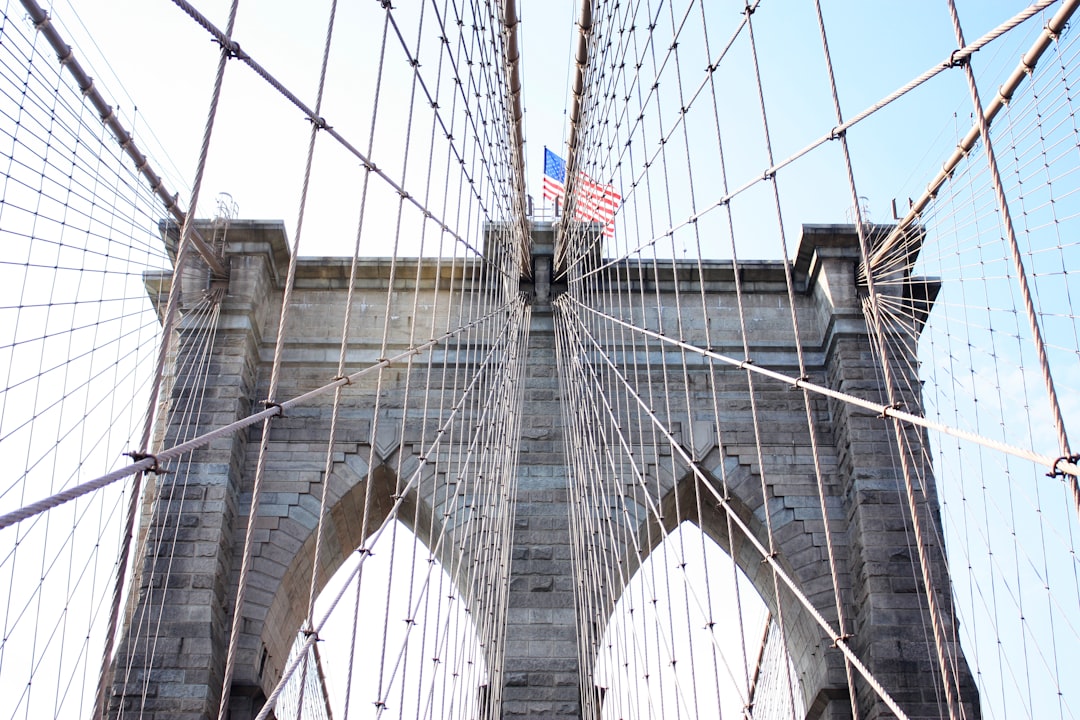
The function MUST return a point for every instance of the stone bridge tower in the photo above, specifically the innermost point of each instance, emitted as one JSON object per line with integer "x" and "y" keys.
{"x": 541, "y": 675}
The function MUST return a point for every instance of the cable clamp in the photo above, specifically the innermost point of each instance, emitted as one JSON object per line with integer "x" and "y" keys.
{"x": 886, "y": 408}
{"x": 231, "y": 48}
{"x": 271, "y": 404}
{"x": 837, "y": 132}
{"x": 140, "y": 456}
{"x": 841, "y": 639}
{"x": 346, "y": 378}
{"x": 769, "y": 556}
{"x": 1057, "y": 472}
{"x": 801, "y": 379}
{"x": 955, "y": 61}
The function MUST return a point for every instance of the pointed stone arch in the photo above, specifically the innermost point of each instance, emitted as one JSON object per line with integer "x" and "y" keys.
{"x": 279, "y": 619}
{"x": 686, "y": 644}
{"x": 819, "y": 666}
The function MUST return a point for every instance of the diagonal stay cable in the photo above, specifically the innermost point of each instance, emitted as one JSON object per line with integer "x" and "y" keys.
{"x": 66, "y": 56}
{"x": 427, "y": 457}
{"x": 234, "y": 50}
{"x": 1055, "y": 465}
{"x": 150, "y": 462}
{"x": 723, "y": 504}
{"x": 955, "y": 58}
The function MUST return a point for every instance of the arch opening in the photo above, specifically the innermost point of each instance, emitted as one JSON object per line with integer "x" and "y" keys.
{"x": 400, "y": 639}
{"x": 691, "y": 636}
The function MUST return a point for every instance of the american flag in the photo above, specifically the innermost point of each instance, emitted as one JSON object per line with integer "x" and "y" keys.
{"x": 594, "y": 202}
{"x": 554, "y": 176}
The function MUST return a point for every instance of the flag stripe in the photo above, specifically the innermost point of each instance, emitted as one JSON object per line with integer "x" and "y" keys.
{"x": 593, "y": 201}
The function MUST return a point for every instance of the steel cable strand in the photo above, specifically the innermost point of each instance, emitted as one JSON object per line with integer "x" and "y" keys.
{"x": 43, "y": 23}
{"x": 1014, "y": 250}
{"x": 427, "y": 387}
{"x": 721, "y": 443}
{"x": 365, "y": 519}
{"x": 581, "y": 419}
{"x": 160, "y": 505}
{"x": 184, "y": 423}
{"x": 315, "y": 127}
{"x": 666, "y": 389}
{"x": 427, "y": 456}
{"x": 492, "y": 405}
{"x": 654, "y": 511}
{"x": 246, "y": 557}
{"x": 387, "y": 311}
{"x": 680, "y": 123}
{"x": 840, "y": 130}
{"x": 234, "y": 50}
{"x": 767, "y": 557}
{"x": 169, "y": 319}
{"x": 874, "y": 321}
{"x": 945, "y": 660}
{"x": 426, "y": 405}
{"x": 962, "y": 57}
{"x": 1059, "y": 464}
{"x": 190, "y": 419}
{"x": 153, "y": 461}
{"x": 800, "y": 355}
{"x": 595, "y": 421}
{"x": 371, "y": 540}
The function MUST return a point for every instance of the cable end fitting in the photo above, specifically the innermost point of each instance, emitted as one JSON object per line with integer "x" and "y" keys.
{"x": 140, "y": 456}
{"x": 1056, "y": 471}
{"x": 271, "y": 404}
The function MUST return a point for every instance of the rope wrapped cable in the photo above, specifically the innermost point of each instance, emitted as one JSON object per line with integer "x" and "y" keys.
{"x": 594, "y": 419}
{"x": 163, "y": 456}
{"x": 319, "y": 122}
{"x": 1063, "y": 465}
{"x": 427, "y": 457}
{"x": 983, "y": 122}
{"x": 1053, "y": 28}
{"x": 768, "y": 557}
{"x": 494, "y": 399}
{"x": 943, "y": 652}
{"x": 1023, "y": 70}
{"x": 67, "y": 58}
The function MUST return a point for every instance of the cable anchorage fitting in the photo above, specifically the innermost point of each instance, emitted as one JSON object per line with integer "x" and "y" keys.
{"x": 271, "y": 404}
{"x": 955, "y": 61}
{"x": 1055, "y": 471}
{"x": 885, "y": 409}
{"x": 140, "y": 456}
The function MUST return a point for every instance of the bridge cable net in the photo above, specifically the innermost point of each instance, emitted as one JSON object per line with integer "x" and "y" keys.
{"x": 637, "y": 370}
{"x": 456, "y": 187}
{"x": 83, "y": 251}
{"x": 670, "y": 405}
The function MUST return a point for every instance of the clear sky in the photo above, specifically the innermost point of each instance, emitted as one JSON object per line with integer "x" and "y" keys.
{"x": 157, "y": 65}
{"x": 165, "y": 63}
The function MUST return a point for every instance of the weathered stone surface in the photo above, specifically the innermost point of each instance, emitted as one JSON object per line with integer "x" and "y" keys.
{"x": 192, "y": 530}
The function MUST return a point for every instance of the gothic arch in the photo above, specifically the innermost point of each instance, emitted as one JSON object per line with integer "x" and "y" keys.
{"x": 818, "y": 665}
{"x": 342, "y": 535}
